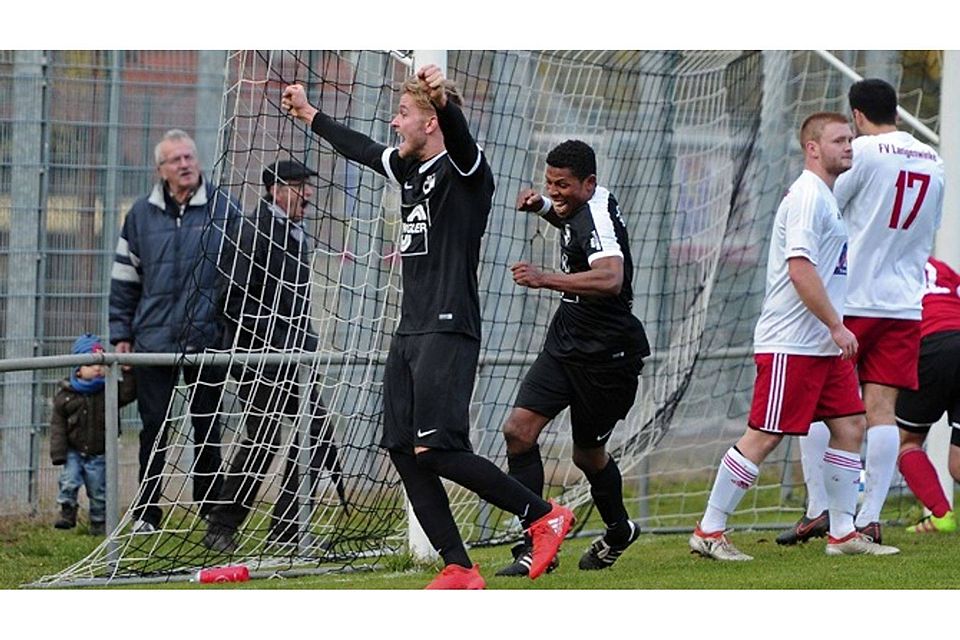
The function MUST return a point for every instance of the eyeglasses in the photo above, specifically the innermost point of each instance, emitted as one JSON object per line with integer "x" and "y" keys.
{"x": 186, "y": 157}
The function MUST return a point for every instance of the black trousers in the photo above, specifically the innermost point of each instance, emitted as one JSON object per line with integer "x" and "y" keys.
{"x": 155, "y": 387}
{"x": 268, "y": 395}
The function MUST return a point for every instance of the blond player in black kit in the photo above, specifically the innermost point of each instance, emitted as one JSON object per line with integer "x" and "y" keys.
{"x": 446, "y": 190}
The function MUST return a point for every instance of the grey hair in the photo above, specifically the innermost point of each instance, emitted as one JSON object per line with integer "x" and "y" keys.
{"x": 176, "y": 135}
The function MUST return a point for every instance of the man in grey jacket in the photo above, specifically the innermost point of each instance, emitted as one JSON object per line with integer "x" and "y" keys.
{"x": 163, "y": 300}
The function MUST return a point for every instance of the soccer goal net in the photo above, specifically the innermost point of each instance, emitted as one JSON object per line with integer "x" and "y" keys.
{"x": 697, "y": 146}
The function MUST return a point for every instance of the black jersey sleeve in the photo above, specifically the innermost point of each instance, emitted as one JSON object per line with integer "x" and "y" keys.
{"x": 464, "y": 152}
{"x": 351, "y": 144}
{"x": 551, "y": 217}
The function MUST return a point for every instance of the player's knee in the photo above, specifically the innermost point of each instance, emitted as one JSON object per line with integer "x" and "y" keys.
{"x": 519, "y": 439}
{"x": 590, "y": 461}
{"x": 909, "y": 440}
{"x": 848, "y": 433}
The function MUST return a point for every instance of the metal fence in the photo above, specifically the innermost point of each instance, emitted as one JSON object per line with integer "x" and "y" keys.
{"x": 77, "y": 132}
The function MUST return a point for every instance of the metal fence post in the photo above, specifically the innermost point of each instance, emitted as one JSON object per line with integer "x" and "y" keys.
{"x": 22, "y": 274}
{"x": 112, "y": 451}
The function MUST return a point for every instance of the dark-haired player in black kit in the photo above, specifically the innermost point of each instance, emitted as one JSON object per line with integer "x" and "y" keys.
{"x": 593, "y": 352}
{"x": 446, "y": 190}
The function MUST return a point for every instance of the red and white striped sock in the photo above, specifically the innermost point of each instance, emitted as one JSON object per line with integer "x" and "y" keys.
{"x": 735, "y": 475}
{"x": 842, "y": 480}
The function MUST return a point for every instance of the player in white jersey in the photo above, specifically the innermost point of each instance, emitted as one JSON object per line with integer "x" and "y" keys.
{"x": 803, "y": 351}
{"x": 892, "y": 201}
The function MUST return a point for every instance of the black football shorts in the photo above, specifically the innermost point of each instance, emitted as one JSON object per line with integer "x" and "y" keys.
{"x": 598, "y": 397}
{"x": 427, "y": 385}
{"x": 939, "y": 391}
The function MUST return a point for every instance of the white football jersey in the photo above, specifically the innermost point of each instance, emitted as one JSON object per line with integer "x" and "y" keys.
{"x": 807, "y": 225}
{"x": 892, "y": 200}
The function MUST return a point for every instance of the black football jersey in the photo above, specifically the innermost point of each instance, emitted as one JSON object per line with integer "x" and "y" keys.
{"x": 594, "y": 329}
{"x": 445, "y": 203}
{"x": 443, "y": 216}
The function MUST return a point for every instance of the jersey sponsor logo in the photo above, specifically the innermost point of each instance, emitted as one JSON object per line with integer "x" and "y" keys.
{"x": 418, "y": 213}
{"x": 415, "y": 230}
{"x": 841, "y": 268}
{"x": 424, "y": 434}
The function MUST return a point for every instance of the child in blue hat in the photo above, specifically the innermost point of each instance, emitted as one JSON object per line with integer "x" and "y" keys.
{"x": 77, "y": 429}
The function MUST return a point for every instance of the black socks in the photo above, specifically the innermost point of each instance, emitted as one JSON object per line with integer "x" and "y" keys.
{"x": 487, "y": 480}
{"x": 606, "y": 487}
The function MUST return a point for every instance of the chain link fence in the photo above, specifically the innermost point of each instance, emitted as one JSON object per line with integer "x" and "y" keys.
{"x": 77, "y": 132}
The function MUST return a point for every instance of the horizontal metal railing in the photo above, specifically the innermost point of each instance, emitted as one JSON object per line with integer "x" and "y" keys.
{"x": 114, "y": 361}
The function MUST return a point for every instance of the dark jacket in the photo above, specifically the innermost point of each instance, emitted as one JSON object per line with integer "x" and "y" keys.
{"x": 78, "y": 421}
{"x": 266, "y": 296}
{"x": 164, "y": 279}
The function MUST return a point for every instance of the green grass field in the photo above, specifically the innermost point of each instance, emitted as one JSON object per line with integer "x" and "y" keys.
{"x": 30, "y": 549}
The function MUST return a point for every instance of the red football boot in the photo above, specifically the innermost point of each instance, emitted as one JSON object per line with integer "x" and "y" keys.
{"x": 454, "y": 576}
{"x": 547, "y": 534}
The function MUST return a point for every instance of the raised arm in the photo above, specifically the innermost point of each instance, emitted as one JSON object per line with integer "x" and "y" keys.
{"x": 533, "y": 201}
{"x": 459, "y": 142}
{"x": 351, "y": 144}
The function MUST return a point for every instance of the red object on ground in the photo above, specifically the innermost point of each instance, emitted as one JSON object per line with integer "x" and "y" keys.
{"x": 236, "y": 573}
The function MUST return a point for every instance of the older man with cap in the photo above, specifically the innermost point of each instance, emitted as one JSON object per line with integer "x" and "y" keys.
{"x": 266, "y": 307}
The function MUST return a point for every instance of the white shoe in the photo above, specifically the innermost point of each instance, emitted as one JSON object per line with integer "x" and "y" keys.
{"x": 855, "y": 543}
{"x": 142, "y": 526}
{"x": 716, "y": 546}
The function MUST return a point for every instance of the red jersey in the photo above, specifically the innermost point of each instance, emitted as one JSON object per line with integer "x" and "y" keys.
{"x": 941, "y": 299}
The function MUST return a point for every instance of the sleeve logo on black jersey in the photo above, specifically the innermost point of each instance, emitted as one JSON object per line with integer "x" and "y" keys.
{"x": 595, "y": 241}
{"x": 414, "y": 230}
{"x": 429, "y": 183}
{"x": 616, "y": 213}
